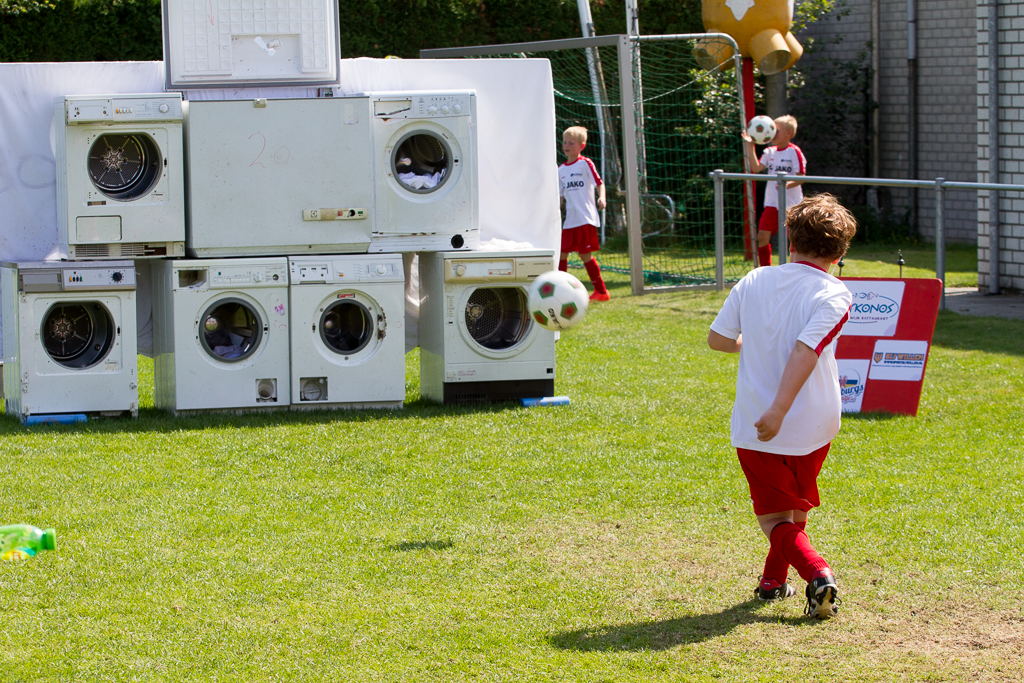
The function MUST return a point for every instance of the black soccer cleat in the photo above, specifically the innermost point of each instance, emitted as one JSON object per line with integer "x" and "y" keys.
{"x": 822, "y": 598}
{"x": 774, "y": 594}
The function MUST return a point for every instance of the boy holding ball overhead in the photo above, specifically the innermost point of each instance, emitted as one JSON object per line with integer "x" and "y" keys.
{"x": 784, "y": 323}
{"x": 780, "y": 155}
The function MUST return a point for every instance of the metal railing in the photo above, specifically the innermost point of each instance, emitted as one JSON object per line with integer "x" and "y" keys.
{"x": 940, "y": 185}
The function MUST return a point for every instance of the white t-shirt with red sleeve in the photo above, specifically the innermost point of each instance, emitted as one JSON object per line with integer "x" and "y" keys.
{"x": 790, "y": 160}
{"x": 774, "y": 308}
{"x": 577, "y": 183}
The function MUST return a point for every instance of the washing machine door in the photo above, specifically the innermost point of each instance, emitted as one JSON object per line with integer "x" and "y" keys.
{"x": 77, "y": 334}
{"x": 349, "y": 327}
{"x": 496, "y": 319}
{"x": 124, "y": 166}
{"x": 231, "y": 329}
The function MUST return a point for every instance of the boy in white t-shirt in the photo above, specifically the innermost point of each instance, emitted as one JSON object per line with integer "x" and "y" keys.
{"x": 578, "y": 182}
{"x": 784, "y": 323}
{"x": 781, "y": 155}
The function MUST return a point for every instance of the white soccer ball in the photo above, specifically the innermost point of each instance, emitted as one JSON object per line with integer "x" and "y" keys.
{"x": 761, "y": 129}
{"x": 557, "y": 300}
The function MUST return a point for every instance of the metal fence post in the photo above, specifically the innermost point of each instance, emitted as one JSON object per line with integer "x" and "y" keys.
{"x": 940, "y": 241}
{"x": 719, "y": 231}
{"x": 630, "y": 170}
{"x": 780, "y": 189}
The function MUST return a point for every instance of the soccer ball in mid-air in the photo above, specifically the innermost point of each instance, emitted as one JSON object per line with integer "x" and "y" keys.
{"x": 761, "y": 129}
{"x": 557, "y": 300}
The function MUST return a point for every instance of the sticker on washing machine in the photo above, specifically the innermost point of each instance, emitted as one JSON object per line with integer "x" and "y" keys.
{"x": 110, "y": 366}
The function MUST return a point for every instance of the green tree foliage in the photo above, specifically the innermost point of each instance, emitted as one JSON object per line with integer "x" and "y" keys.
{"x": 112, "y": 30}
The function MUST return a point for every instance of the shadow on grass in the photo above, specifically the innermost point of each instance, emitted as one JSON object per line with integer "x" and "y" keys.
{"x": 669, "y": 633}
{"x": 872, "y": 416}
{"x": 156, "y": 420}
{"x": 421, "y": 545}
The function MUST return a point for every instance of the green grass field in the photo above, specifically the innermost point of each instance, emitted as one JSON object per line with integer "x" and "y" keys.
{"x": 609, "y": 540}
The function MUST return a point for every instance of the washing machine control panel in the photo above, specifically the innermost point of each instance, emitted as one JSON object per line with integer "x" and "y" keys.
{"x": 234, "y": 276}
{"x": 495, "y": 270}
{"x": 423, "y": 105}
{"x": 71, "y": 279}
{"x": 348, "y": 270}
{"x": 165, "y": 107}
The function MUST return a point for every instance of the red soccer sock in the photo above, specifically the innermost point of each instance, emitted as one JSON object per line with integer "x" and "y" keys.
{"x": 792, "y": 543}
{"x": 563, "y": 265}
{"x": 776, "y": 567}
{"x": 764, "y": 255}
{"x": 594, "y": 271}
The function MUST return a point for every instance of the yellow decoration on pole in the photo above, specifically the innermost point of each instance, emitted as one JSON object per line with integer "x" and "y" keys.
{"x": 759, "y": 27}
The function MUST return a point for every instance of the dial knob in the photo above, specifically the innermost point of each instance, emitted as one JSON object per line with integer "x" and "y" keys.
{"x": 460, "y": 269}
{"x": 117, "y": 276}
{"x": 258, "y": 277}
{"x": 164, "y": 109}
{"x": 444, "y": 109}
{"x": 382, "y": 269}
{"x": 431, "y": 109}
{"x": 457, "y": 108}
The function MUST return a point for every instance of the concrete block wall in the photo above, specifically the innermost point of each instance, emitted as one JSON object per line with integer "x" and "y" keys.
{"x": 946, "y": 92}
{"x": 1011, "y": 143}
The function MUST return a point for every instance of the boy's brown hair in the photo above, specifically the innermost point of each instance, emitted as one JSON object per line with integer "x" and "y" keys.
{"x": 820, "y": 226}
{"x": 577, "y": 133}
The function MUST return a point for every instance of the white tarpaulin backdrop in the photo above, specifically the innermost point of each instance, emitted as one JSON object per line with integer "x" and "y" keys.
{"x": 516, "y": 142}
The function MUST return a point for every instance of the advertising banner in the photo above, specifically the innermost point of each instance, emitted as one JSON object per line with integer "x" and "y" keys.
{"x": 883, "y": 350}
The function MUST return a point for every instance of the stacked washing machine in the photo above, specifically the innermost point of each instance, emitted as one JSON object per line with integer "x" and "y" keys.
{"x": 278, "y": 232}
{"x": 70, "y": 326}
{"x": 298, "y": 214}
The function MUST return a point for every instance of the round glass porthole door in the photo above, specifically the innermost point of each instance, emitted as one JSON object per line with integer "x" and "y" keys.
{"x": 496, "y": 317}
{"x": 230, "y": 330}
{"x": 422, "y": 162}
{"x": 78, "y": 335}
{"x": 124, "y": 167}
{"x": 346, "y": 327}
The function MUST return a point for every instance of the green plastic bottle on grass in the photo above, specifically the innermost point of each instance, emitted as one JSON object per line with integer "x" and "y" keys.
{"x": 22, "y": 541}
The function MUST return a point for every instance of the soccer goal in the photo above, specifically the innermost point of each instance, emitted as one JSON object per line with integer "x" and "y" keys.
{"x": 681, "y": 122}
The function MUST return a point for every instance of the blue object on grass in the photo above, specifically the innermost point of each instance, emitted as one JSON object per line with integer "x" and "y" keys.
{"x": 65, "y": 419}
{"x": 548, "y": 401}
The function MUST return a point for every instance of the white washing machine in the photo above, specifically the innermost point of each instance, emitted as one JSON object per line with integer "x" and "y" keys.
{"x": 120, "y": 176}
{"x": 477, "y": 340}
{"x": 425, "y": 166}
{"x": 69, "y": 338}
{"x": 273, "y": 177}
{"x": 347, "y": 331}
{"x": 220, "y": 334}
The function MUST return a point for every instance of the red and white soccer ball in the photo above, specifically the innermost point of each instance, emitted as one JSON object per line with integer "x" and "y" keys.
{"x": 761, "y": 129}
{"x": 557, "y": 300}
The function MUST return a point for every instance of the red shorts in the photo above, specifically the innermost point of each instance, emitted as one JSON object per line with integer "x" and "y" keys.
{"x": 769, "y": 220}
{"x": 782, "y": 482}
{"x": 581, "y": 239}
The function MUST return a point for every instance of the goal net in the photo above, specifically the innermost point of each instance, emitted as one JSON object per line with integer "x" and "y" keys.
{"x": 688, "y": 124}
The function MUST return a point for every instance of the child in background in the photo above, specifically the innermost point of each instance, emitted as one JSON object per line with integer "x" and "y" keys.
{"x": 784, "y": 323}
{"x": 577, "y": 182}
{"x": 782, "y": 155}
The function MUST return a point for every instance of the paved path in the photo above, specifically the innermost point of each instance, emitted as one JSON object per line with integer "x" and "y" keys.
{"x": 969, "y": 301}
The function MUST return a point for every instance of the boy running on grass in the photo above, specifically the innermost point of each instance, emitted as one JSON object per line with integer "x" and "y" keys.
{"x": 788, "y": 403}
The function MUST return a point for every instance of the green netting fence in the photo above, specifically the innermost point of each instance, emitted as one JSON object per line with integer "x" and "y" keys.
{"x": 688, "y": 124}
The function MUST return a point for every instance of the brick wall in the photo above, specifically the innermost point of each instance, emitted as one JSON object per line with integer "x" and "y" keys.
{"x": 1011, "y": 143}
{"x": 946, "y": 92}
